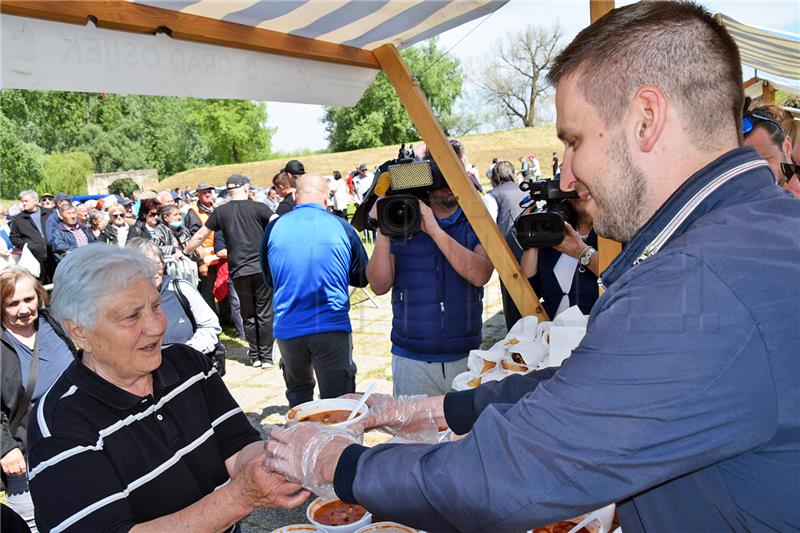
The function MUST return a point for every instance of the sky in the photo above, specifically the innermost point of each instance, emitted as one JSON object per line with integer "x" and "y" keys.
{"x": 299, "y": 126}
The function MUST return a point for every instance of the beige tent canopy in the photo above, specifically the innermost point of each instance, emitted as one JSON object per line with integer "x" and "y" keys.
{"x": 320, "y": 52}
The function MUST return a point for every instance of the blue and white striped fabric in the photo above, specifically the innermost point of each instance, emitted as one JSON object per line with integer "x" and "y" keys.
{"x": 777, "y": 54}
{"x": 363, "y": 24}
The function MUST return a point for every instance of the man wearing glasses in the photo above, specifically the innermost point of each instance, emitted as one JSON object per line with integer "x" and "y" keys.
{"x": 765, "y": 128}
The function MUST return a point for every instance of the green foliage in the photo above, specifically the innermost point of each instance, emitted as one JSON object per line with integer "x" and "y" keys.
{"x": 20, "y": 161}
{"x": 124, "y": 132}
{"x": 66, "y": 172}
{"x": 380, "y": 119}
{"x": 123, "y": 186}
{"x": 233, "y": 130}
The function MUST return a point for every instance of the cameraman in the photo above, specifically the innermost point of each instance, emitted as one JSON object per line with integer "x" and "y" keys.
{"x": 566, "y": 274}
{"x": 437, "y": 277}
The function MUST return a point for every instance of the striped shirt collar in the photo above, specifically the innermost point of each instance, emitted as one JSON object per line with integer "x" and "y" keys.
{"x": 88, "y": 381}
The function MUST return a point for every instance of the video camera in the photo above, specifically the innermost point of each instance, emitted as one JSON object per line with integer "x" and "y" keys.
{"x": 544, "y": 227}
{"x": 403, "y": 182}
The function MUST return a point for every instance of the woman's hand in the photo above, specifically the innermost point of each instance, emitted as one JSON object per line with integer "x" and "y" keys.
{"x": 13, "y": 463}
{"x": 256, "y": 488}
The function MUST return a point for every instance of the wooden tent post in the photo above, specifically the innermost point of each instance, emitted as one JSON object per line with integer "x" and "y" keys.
{"x": 607, "y": 249}
{"x": 422, "y": 116}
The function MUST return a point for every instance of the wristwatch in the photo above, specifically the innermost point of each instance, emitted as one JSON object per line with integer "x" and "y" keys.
{"x": 586, "y": 256}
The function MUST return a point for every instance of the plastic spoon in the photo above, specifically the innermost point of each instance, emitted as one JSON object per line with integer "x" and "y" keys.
{"x": 585, "y": 522}
{"x": 361, "y": 403}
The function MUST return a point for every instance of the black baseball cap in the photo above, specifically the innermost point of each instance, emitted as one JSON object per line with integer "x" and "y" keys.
{"x": 294, "y": 167}
{"x": 236, "y": 180}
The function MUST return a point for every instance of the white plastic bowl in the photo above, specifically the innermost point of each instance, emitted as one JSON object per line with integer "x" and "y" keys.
{"x": 348, "y": 528}
{"x": 386, "y": 527}
{"x": 297, "y": 528}
{"x": 303, "y": 410}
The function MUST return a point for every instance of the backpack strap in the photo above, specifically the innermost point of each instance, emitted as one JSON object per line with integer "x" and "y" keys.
{"x": 176, "y": 286}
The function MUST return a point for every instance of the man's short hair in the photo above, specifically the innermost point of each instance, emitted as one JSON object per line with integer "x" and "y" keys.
{"x": 64, "y": 207}
{"x": 675, "y": 46}
{"x": 783, "y": 118}
{"x": 29, "y": 192}
{"x": 282, "y": 179}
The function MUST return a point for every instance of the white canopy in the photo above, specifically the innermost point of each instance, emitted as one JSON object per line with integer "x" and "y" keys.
{"x": 766, "y": 51}
{"x": 316, "y": 52}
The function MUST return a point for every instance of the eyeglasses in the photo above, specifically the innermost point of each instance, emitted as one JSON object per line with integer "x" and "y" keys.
{"x": 790, "y": 170}
{"x": 748, "y": 125}
{"x": 152, "y": 213}
{"x": 118, "y": 215}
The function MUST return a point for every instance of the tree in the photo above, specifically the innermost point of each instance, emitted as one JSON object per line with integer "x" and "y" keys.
{"x": 123, "y": 187}
{"x": 66, "y": 172}
{"x": 379, "y": 118}
{"x": 20, "y": 161}
{"x": 512, "y": 77}
{"x": 233, "y": 130}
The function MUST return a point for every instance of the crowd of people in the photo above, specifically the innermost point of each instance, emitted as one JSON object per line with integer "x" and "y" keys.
{"x": 680, "y": 404}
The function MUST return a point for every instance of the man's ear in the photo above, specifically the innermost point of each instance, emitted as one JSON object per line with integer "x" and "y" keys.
{"x": 78, "y": 334}
{"x": 650, "y": 114}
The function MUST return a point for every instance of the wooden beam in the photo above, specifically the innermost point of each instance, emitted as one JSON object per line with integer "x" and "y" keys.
{"x": 598, "y": 8}
{"x": 493, "y": 241}
{"x": 767, "y": 93}
{"x": 138, "y": 18}
{"x": 607, "y": 249}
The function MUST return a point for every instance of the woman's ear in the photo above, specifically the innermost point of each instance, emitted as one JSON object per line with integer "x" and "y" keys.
{"x": 78, "y": 334}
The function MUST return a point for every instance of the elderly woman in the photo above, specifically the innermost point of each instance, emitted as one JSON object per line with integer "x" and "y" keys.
{"x": 190, "y": 320}
{"x": 97, "y": 222}
{"x": 171, "y": 236}
{"x": 133, "y": 436}
{"x": 69, "y": 233}
{"x": 148, "y": 221}
{"x": 118, "y": 231}
{"x": 34, "y": 353}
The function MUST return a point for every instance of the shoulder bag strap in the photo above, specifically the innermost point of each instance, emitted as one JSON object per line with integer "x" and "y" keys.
{"x": 187, "y": 309}
{"x": 25, "y": 402}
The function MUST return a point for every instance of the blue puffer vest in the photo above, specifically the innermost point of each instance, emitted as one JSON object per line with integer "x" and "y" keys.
{"x": 437, "y": 313}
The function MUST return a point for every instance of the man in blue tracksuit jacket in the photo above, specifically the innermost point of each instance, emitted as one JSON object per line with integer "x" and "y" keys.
{"x": 681, "y": 404}
{"x": 310, "y": 257}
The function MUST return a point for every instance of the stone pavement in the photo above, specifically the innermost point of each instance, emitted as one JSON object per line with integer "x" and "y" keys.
{"x": 260, "y": 392}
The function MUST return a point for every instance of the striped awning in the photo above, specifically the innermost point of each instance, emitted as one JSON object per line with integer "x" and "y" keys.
{"x": 769, "y": 52}
{"x": 303, "y": 51}
{"x": 364, "y": 24}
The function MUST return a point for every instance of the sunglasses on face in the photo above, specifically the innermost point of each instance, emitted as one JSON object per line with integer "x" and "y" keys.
{"x": 748, "y": 124}
{"x": 152, "y": 214}
{"x": 118, "y": 215}
{"x": 790, "y": 170}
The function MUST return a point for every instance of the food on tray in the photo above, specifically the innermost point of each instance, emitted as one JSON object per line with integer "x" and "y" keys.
{"x": 512, "y": 342}
{"x": 474, "y": 382}
{"x": 559, "y": 527}
{"x": 339, "y": 513}
{"x": 488, "y": 365}
{"x": 327, "y": 417}
{"x": 517, "y": 363}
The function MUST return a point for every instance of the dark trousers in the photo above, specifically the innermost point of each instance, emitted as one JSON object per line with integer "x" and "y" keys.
{"x": 255, "y": 299}
{"x": 206, "y": 287}
{"x": 329, "y": 355}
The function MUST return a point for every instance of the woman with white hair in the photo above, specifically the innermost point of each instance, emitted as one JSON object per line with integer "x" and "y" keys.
{"x": 133, "y": 436}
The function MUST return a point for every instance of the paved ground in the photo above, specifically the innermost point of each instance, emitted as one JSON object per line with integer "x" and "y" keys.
{"x": 260, "y": 392}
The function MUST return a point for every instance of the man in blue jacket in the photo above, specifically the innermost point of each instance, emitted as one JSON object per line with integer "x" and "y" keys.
{"x": 310, "y": 257}
{"x": 681, "y": 402}
{"x": 437, "y": 278}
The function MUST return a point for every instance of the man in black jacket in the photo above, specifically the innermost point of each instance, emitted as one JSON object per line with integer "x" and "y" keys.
{"x": 28, "y": 227}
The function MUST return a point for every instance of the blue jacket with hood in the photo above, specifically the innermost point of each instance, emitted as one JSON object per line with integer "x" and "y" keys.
{"x": 680, "y": 404}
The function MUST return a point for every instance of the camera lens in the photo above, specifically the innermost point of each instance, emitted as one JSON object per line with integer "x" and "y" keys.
{"x": 399, "y": 214}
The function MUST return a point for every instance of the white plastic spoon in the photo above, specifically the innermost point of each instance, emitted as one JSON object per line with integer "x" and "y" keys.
{"x": 586, "y": 521}
{"x": 361, "y": 403}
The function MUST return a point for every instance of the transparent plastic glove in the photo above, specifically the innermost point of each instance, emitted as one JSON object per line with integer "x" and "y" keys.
{"x": 417, "y": 418}
{"x": 307, "y": 453}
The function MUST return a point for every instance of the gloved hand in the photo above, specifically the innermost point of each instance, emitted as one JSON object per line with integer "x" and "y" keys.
{"x": 417, "y": 418}
{"x": 307, "y": 453}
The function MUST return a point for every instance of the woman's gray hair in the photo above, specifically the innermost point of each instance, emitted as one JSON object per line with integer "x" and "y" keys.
{"x": 140, "y": 244}
{"x": 89, "y": 275}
